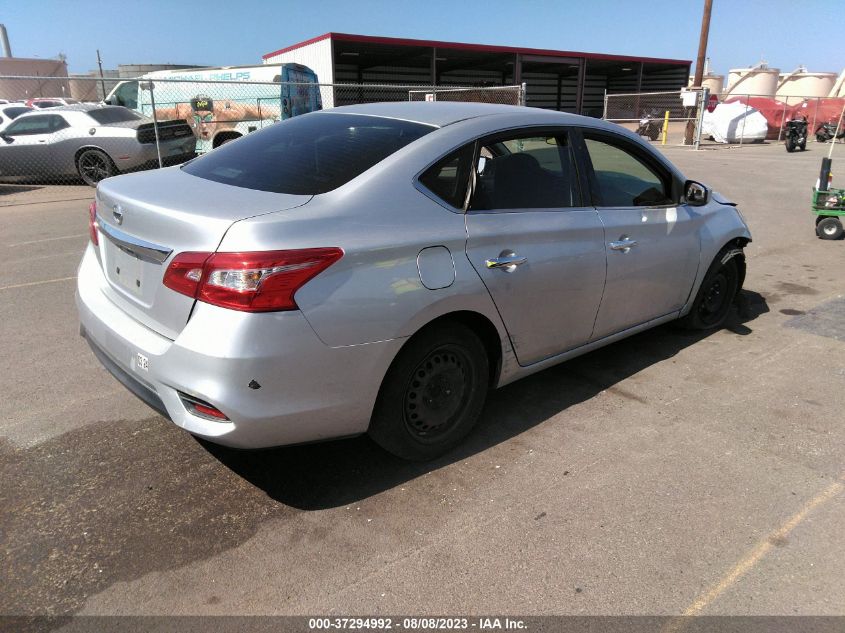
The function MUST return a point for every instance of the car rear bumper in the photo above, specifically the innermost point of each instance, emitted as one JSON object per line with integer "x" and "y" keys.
{"x": 308, "y": 391}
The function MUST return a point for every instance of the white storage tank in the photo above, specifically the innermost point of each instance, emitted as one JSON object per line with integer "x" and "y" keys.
{"x": 760, "y": 80}
{"x": 806, "y": 84}
{"x": 714, "y": 83}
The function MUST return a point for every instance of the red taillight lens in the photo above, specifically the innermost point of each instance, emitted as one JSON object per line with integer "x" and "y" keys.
{"x": 185, "y": 272}
{"x": 263, "y": 281}
{"x": 92, "y": 224}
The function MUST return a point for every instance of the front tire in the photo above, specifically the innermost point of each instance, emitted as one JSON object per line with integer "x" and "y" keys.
{"x": 716, "y": 295}
{"x": 830, "y": 229}
{"x": 433, "y": 393}
{"x": 94, "y": 165}
{"x": 790, "y": 145}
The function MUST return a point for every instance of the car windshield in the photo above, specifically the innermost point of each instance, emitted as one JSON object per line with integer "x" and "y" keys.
{"x": 308, "y": 154}
{"x": 105, "y": 116}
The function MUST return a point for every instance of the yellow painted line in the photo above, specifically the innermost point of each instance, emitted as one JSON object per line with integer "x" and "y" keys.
{"x": 36, "y": 283}
{"x": 755, "y": 555}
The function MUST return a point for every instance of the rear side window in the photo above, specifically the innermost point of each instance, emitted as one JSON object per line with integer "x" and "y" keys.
{"x": 623, "y": 179}
{"x": 448, "y": 178}
{"x": 113, "y": 115}
{"x": 526, "y": 172}
{"x": 307, "y": 155}
{"x": 57, "y": 123}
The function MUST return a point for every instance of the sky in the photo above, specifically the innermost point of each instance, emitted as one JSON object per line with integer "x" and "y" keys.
{"x": 235, "y": 32}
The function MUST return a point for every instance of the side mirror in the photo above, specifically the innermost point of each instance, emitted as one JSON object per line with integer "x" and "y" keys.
{"x": 7, "y": 138}
{"x": 695, "y": 194}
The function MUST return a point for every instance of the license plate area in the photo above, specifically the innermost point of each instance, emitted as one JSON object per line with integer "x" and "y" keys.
{"x": 126, "y": 271}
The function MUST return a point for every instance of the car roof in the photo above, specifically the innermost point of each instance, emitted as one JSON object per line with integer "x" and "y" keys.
{"x": 84, "y": 107}
{"x": 442, "y": 113}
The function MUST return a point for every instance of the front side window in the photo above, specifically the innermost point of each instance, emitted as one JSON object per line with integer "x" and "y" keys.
{"x": 448, "y": 178}
{"x": 308, "y": 154}
{"x": 126, "y": 95}
{"x": 30, "y": 125}
{"x": 623, "y": 179}
{"x": 526, "y": 172}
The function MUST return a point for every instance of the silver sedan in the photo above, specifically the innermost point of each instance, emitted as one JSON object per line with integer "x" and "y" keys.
{"x": 378, "y": 268}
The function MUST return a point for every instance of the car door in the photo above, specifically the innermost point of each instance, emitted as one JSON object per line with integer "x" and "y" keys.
{"x": 537, "y": 247}
{"x": 24, "y": 150}
{"x": 652, "y": 240}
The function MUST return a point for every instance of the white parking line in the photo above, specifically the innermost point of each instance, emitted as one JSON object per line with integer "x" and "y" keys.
{"x": 36, "y": 283}
{"x": 48, "y": 239}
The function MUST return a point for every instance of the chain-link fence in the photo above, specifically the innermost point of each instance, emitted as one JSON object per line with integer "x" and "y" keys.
{"x": 731, "y": 119}
{"x": 672, "y": 118}
{"x": 167, "y": 121}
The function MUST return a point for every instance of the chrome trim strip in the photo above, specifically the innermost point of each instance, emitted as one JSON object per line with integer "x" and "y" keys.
{"x": 139, "y": 248}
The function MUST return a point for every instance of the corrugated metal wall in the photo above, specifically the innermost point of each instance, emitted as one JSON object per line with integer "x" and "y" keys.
{"x": 543, "y": 89}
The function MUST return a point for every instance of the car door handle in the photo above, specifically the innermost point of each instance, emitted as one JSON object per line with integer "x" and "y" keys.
{"x": 623, "y": 245}
{"x": 508, "y": 263}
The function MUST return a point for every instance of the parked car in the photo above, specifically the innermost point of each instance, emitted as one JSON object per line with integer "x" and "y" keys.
{"x": 89, "y": 140}
{"x": 11, "y": 111}
{"x": 50, "y": 102}
{"x": 376, "y": 268}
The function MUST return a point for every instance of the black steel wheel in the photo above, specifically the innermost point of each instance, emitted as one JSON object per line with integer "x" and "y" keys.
{"x": 94, "y": 165}
{"x": 433, "y": 393}
{"x": 716, "y": 295}
{"x": 830, "y": 228}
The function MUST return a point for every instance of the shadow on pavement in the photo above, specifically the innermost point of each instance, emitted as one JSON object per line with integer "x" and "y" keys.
{"x": 330, "y": 474}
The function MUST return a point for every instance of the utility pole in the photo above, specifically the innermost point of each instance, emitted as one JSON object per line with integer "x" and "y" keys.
{"x": 702, "y": 44}
{"x": 100, "y": 64}
{"x": 699, "y": 63}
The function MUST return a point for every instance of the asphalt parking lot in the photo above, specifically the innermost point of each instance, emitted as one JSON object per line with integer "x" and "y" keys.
{"x": 671, "y": 473}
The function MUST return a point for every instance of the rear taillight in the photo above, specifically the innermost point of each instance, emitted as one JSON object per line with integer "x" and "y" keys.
{"x": 92, "y": 224}
{"x": 264, "y": 281}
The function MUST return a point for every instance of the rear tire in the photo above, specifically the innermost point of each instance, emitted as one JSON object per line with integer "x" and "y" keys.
{"x": 654, "y": 134}
{"x": 830, "y": 229}
{"x": 94, "y": 165}
{"x": 803, "y": 145}
{"x": 433, "y": 393}
{"x": 716, "y": 295}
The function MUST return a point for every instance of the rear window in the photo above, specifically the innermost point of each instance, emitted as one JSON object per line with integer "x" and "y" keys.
{"x": 14, "y": 113}
{"x": 113, "y": 115}
{"x": 308, "y": 154}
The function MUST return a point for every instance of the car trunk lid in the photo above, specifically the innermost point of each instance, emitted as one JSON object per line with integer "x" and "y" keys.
{"x": 148, "y": 218}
